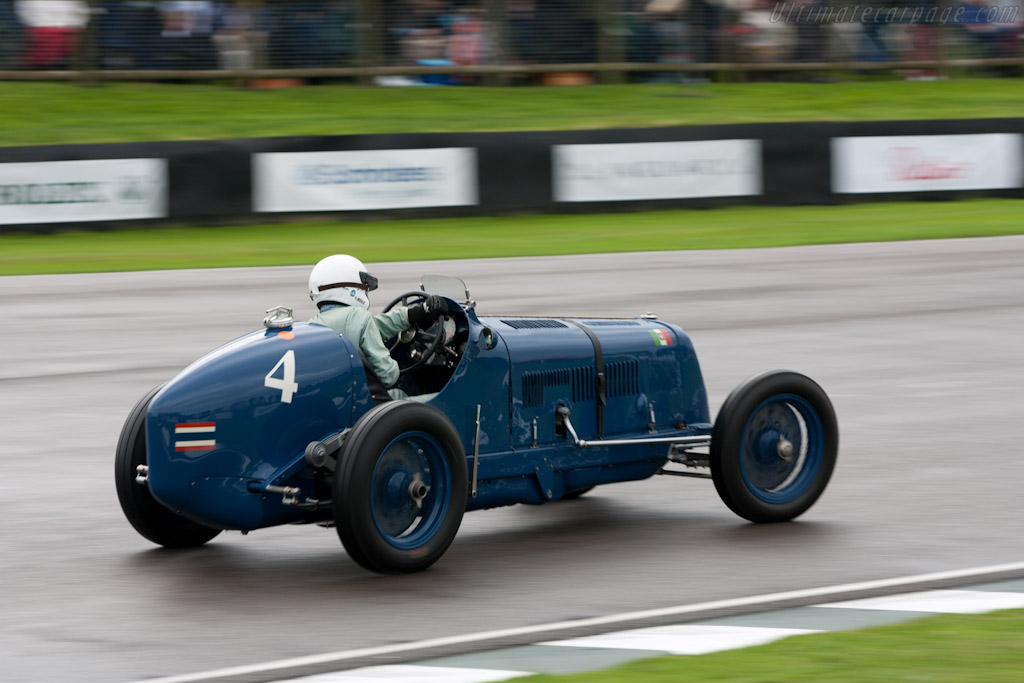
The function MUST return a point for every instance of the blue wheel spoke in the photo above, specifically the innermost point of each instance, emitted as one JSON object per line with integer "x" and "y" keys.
{"x": 781, "y": 448}
{"x": 411, "y": 490}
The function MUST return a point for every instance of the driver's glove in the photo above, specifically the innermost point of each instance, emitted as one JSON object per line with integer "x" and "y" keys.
{"x": 425, "y": 313}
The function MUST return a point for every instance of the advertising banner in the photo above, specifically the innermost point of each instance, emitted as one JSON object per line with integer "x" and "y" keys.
{"x": 656, "y": 170}
{"x": 915, "y": 163}
{"x": 82, "y": 191}
{"x": 353, "y": 181}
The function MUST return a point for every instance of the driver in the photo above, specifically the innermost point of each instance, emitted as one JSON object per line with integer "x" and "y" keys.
{"x": 339, "y": 285}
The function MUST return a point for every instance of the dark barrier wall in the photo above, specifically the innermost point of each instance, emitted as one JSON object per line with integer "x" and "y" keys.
{"x": 461, "y": 174}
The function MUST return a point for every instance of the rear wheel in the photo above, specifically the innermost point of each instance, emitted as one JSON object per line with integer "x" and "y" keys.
{"x": 150, "y": 518}
{"x": 400, "y": 489}
{"x": 774, "y": 446}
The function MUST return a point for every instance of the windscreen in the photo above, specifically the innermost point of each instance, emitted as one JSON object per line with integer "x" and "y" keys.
{"x": 445, "y": 285}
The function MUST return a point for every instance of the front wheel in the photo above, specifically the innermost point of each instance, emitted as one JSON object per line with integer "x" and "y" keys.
{"x": 400, "y": 488}
{"x": 149, "y": 517}
{"x": 774, "y": 446}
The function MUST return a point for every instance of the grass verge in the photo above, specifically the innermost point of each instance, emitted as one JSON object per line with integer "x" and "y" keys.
{"x": 60, "y": 113}
{"x": 984, "y": 647}
{"x": 408, "y": 240}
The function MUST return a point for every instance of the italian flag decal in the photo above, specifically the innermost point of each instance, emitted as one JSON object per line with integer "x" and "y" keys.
{"x": 661, "y": 338}
{"x": 195, "y": 436}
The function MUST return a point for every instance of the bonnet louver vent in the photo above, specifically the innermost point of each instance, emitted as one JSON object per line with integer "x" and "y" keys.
{"x": 623, "y": 377}
{"x": 577, "y": 383}
{"x": 527, "y": 324}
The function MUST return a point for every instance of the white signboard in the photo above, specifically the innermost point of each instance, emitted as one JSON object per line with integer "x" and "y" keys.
{"x": 914, "y": 163}
{"x": 656, "y": 170}
{"x": 77, "y": 191}
{"x": 351, "y": 181}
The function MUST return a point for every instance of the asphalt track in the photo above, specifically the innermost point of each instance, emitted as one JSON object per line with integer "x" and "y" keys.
{"x": 918, "y": 344}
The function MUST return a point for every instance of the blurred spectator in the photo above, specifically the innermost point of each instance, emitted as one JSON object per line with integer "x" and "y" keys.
{"x": 11, "y": 31}
{"x": 304, "y": 33}
{"x": 643, "y": 41}
{"x": 466, "y": 45}
{"x": 987, "y": 28}
{"x": 338, "y": 34}
{"x": 436, "y": 33}
{"x": 520, "y": 28}
{"x": 660, "y": 33}
{"x": 925, "y": 35}
{"x": 755, "y": 37}
{"x": 811, "y": 33}
{"x": 873, "y": 45}
{"x": 241, "y": 41}
{"x": 186, "y": 18}
{"x": 128, "y": 34}
{"x": 299, "y": 33}
{"x": 414, "y": 31}
{"x": 566, "y": 31}
{"x": 705, "y": 16}
{"x": 283, "y": 34}
{"x": 52, "y": 31}
{"x": 1009, "y": 18}
{"x": 186, "y": 41}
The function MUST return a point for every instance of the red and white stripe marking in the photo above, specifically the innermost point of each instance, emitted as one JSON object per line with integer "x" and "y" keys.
{"x": 190, "y": 429}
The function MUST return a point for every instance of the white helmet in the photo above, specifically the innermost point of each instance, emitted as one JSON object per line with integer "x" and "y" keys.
{"x": 341, "y": 279}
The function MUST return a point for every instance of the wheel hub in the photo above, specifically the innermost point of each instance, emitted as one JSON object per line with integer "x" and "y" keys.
{"x": 418, "y": 490}
{"x": 784, "y": 449}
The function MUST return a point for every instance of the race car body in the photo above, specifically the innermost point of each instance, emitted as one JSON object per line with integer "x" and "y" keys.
{"x": 281, "y": 426}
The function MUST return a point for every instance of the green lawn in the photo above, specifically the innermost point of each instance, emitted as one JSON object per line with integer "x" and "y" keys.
{"x": 985, "y": 647}
{"x": 52, "y": 113}
{"x": 305, "y": 243}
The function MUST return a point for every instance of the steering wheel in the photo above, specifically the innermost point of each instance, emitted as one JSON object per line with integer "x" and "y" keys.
{"x": 424, "y": 343}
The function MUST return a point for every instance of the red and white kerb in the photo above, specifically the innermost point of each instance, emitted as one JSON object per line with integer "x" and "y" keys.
{"x": 195, "y": 436}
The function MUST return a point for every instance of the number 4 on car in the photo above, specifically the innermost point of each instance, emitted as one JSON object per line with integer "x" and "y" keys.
{"x": 280, "y": 427}
{"x": 285, "y": 384}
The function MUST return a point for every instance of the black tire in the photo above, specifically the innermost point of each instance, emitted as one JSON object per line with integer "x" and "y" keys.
{"x": 150, "y": 518}
{"x": 382, "y": 523}
{"x": 774, "y": 446}
{"x": 576, "y": 493}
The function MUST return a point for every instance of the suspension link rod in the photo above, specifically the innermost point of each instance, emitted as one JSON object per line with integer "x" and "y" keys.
{"x": 681, "y": 440}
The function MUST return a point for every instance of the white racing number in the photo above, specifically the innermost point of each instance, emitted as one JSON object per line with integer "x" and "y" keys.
{"x": 287, "y": 383}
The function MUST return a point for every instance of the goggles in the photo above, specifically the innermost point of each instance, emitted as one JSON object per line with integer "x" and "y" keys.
{"x": 366, "y": 281}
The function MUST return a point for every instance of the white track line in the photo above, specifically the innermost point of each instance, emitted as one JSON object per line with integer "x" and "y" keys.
{"x": 684, "y": 639}
{"x": 331, "y": 657}
{"x": 940, "y": 602}
{"x": 404, "y": 673}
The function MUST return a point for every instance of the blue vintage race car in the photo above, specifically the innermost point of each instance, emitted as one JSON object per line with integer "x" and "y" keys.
{"x": 281, "y": 427}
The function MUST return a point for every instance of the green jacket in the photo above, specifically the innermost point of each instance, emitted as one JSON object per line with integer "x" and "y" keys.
{"x": 368, "y": 332}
